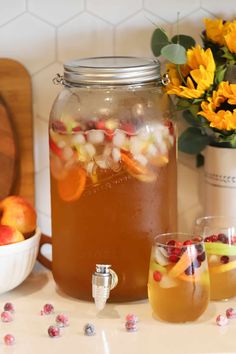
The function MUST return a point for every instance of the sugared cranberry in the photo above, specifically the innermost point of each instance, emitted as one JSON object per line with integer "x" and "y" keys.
{"x": 54, "y": 331}
{"x": 157, "y": 276}
{"x": 131, "y": 326}
{"x": 231, "y": 313}
{"x": 224, "y": 259}
{"x": 188, "y": 242}
{"x": 221, "y": 320}
{"x": 9, "y": 339}
{"x": 62, "y": 320}
{"x": 9, "y": 307}
{"x": 201, "y": 257}
{"x": 173, "y": 258}
{"x": 48, "y": 309}
{"x": 189, "y": 270}
{"x": 89, "y": 329}
{"x": 6, "y": 316}
{"x": 131, "y": 318}
{"x": 223, "y": 238}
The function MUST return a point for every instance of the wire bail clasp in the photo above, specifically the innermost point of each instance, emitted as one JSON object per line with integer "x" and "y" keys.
{"x": 58, "y": 79}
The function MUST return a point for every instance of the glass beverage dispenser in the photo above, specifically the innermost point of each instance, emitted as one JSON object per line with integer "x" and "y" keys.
{"x": 113, "y": 172}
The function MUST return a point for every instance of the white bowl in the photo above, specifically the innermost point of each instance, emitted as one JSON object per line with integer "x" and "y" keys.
{"x": 17, "y": 261}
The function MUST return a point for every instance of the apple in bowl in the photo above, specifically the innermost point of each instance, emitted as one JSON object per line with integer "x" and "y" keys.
{"x": 19, "y": 241}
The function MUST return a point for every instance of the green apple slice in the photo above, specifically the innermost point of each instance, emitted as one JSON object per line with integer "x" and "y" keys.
{"x": 223, "y": 267}
{"x": 155, "y": 266}
{"x": 220, "y": 249}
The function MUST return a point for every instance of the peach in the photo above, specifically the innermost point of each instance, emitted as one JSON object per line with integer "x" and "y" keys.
{"x": 19, "y": 213}
{"x": 9, "y": 234}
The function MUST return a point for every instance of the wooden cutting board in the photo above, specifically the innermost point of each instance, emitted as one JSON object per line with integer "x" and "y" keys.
{"x": 16, "y": 131}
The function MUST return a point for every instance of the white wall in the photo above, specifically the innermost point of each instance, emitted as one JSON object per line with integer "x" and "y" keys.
{"x": 42, "y": 34}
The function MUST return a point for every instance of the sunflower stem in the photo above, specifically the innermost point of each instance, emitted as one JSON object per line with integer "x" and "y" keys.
{"x": 181, "y": 75}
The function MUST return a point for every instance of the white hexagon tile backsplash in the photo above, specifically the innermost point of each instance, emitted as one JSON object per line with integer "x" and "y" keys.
{"x": 43, "y": 34}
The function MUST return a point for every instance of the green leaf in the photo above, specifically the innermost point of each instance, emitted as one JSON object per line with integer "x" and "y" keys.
{"x": 192, "y": 141}
{"x": 220, "y": 74}
{"x": 186, "y": 41}
{"x": 199, "y": 160}
{"x": 158, "y": 41}
{"x": 190, "y": 118}
{"x": 175, "y": 53}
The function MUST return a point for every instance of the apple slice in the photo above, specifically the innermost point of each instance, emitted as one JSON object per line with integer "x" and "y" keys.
{"x": 220, "y": 249}
{"x": 160, "y": 258}
{"x": 167, "y": 282}
{"x": 198, "y": 277}
{"x": 223, "y": 267}
{"x": 155, "y": 266}
{"x": 185, "y": 261}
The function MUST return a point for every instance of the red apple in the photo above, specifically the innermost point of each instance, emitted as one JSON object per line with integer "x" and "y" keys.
{"x": 18, "y": 213}
{"x": 9, "y": 234}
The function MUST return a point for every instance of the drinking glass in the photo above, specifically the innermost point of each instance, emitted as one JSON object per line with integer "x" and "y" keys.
{"x": 178, "y": 284}
{"x": 219, "y": 234}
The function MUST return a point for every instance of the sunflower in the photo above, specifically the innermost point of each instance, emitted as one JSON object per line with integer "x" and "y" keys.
{"x": 230, "y": 37}
{"x": 216, "y": 29}
{"x": 193, "y": 78}
{"x": 220, "y": 108}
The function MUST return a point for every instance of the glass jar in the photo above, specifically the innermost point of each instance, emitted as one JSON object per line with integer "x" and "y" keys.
{"x": 113, "y": 172}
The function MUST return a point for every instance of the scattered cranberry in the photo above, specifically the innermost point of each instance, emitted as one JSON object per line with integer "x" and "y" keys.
{"x": 157, "y": 276}
{"x": 9, "y": 339}
{"x": 62, "y": 320}
{"x": 221, "y": 320}
{"x": 201, "y": 257}
{"x": 223, "y": 238}
{"x": 231, "y": 313}
{"x": 89, "y": 329}
{"x": 9, "y": 307}
{"x": 131, "y": 326}
{"x": 173, "y": 258}
{"x": 6, "y": 316}
{"x": 131, "y": 318}
{"x": 48, "y": 309}
{"x": 54, "y": 331}
{"x": 224, "y": 259}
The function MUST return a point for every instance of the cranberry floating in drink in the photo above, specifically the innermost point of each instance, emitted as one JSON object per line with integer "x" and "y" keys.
{"x": 113, "y": 173}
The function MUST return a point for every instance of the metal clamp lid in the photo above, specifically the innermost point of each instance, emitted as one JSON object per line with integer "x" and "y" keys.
{"x": 112, "y": 70}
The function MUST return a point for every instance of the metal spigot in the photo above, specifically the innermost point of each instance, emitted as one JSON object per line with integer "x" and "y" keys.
{"x": 103, "y": 280}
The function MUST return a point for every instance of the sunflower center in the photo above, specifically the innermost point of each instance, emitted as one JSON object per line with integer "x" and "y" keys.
{"x": 225, "y": 106}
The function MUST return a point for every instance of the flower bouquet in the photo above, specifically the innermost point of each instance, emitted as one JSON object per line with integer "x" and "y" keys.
{"x": 200, "y": 82}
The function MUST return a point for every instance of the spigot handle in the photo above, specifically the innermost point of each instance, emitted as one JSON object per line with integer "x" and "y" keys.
{"x": 114, "y": 279}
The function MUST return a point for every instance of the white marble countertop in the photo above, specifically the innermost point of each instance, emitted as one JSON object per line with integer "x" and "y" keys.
{"x": 152, "y": 336}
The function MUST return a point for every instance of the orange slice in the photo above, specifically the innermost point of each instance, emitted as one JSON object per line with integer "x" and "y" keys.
{"x": 137, "y": 170}
{"x": 159, "y": 161}
{"x": 186, "y": 259}
{"x": 72, "y": 186}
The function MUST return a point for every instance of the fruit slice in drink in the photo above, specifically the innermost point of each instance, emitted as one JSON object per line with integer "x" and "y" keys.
{"x": 72, "y": 186}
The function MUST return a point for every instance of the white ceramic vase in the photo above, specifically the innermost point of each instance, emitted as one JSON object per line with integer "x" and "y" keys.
{"x": 220, "y": 181}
